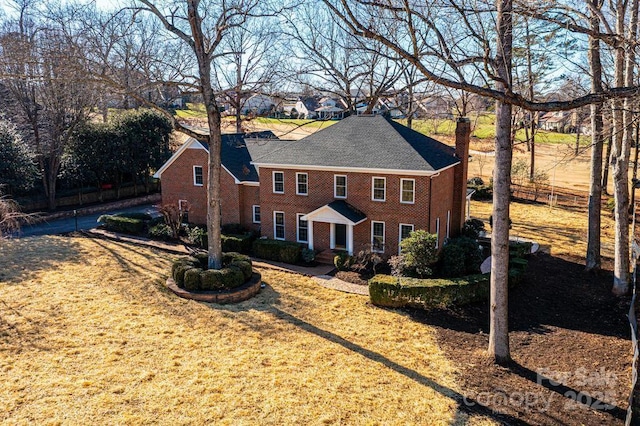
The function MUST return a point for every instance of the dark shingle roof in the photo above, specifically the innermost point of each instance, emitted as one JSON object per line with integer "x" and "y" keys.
{"x": 238, "y": 149}
{"x": 347, "y": 210}
{"x": 370, "y": 142}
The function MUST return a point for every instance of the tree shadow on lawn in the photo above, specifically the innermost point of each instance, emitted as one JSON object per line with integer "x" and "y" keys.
{"x": 23, "y": 257}
{"x": 269, "y": 300}
{"x": 555, "y": 292}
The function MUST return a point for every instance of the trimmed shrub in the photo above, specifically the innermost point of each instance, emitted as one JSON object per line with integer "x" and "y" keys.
{"x": 237, "y": 243}
{"x": 394, "y": 292}
{"x": 483, "y": 192}
{"x": 342, "y": 261}
{"x": 243, "y": 267}
{"x": 146, "y": 217}
{"x": 211, "y": 279}
{"x": 453, "y": 260}
{"x": 122, "y": 224}
{"x": 472, "y": 255}
{"x": 191, "y": 273}
{"x": 420, "y": 252}
{"x": 160, "y": 232}
{"x": 280, "y": 251}
{"x": 308, "y": 255}
{"x": 192, "y": 279}
{"x": 233, "y": 229}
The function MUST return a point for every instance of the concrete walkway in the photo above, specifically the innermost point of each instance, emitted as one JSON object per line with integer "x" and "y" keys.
{"x": 318, "y": 273}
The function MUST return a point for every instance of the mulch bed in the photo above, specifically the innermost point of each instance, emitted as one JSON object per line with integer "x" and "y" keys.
{"x": 353, "y": 277}
{"x": 565, "y": 326}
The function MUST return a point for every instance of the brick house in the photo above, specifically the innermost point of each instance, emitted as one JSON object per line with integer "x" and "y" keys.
{"x": 365, "y": 182}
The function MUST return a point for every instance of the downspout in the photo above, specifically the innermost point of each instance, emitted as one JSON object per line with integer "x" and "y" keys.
{"x": 431, "y": 197}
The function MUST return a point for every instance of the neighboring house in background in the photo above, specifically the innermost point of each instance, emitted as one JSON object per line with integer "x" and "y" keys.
{"x": 365, "y": 182}
{"x": 258, "y": 104}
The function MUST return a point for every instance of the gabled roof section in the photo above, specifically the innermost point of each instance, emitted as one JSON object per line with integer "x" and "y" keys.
{"x": 364, "y": 142}
{"x": 236, "y": 151}
{"x": 338, "y": 211}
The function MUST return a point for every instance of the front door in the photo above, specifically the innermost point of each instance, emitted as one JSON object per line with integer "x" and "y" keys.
{"x": 341, "y": 236}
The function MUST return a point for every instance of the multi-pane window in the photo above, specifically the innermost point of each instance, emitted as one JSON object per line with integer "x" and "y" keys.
{"x": 405, "y": 231}
{"x": 379, "y": 189}
{"x": 377, "y": 236}
{"x": 198, "y": 179}
{"x": 256, "y": 214}
{"x": 278, "y": 182}
{"x": 278, "y": 225}
{"x": 407, "y": 191}
{"x": 302, "y": 183}
{"x": 303, "y": 229}
{"x": 340, "y": 186}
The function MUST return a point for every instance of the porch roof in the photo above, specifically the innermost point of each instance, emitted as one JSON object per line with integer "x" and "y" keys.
{"x": 338, "y": 211}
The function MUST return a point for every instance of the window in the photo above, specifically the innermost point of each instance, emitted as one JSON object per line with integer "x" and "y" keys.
{"x": 377, "y": 236}
{"x": 405, "y": 230}
{"x": 198, "y": 179}
{"x": 278, "y": 182}
{"x": 303, "y": 229}
{"x": 437, "y": 232}
{"x": 378, "y": 189}
{"x": 448, "y": 222}
{"x": 256, "y": 214}
{"x": 278, "y": 225}
{"x": 339, "y": 186}
{"x": 302, "y": 183}
{"x": 407, "y": 191}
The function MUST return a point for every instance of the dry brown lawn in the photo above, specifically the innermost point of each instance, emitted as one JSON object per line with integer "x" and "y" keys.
{"x": 562, "y": 230}
{"x": 89, "y": 335}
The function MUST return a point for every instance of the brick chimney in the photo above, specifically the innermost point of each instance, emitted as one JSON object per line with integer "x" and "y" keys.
{"x": 463, "y": 135}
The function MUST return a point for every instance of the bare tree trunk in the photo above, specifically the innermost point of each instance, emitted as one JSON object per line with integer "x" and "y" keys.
{"x": 215, "y": 138}
{"x": 593, "y": 260}
{"x": 499, "y": 310}
{"x": 620, "y": 152}
{"x": 607, "y": 161}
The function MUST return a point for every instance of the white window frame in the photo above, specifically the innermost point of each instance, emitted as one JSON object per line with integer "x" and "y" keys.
{"x": 182, "y": 203}
{"x": 298, "y": 184}
{"x": 413, "y": 228}
{"x": 437, "y": 232}
{"x": 195, "y": 182}
{"x": 413, "y": 192}
{"x": 298, "y": 215}
{"x": 384, "y": 232}
{"x": 273, "y": 178}
{"x": 253, "y": 211}
{"x": 448, "y": 222}
{"x": 335, "y": 186}
{"x": 275, "y": 227}
{"x": 373, "y": 188}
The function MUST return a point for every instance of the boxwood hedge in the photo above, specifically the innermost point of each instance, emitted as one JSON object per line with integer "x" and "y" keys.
{"x": 280, "y": 251}
{"x": 191, "y": 273}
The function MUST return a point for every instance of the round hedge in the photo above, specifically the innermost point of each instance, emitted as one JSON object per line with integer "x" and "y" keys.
{"x": 191, "y": 273}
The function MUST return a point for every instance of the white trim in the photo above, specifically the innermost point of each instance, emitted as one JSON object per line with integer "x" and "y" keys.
{"x": 275, "y": 224}
{"x": 413, "y": 228}
{"x": 373, "y": 180}
{"x": 253, "y": 213}
{"x": 353, "y": 169}
{"x": 328, "y": 215}
{"x": 298, "y": 217}
{"x": 298, "y": 183}
{"x": 187, "y": 145}
{"x": 437, "y": 232}
{"x": 347, "y": 241}
{"x": 201, "y": 175}
{"x": 448, "y": 222}
{"x": 335, "y": 187}
{"x": 273, "y": 182}
{"x": 413, "y": 192}
{"x": 384, "y": 232}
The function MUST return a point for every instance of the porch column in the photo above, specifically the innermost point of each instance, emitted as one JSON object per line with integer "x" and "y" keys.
{"x": 310, "y": 232}
{"x": 350, "y": 239}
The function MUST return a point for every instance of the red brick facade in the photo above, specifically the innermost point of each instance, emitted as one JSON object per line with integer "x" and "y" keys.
{"x": 438, "y": 207}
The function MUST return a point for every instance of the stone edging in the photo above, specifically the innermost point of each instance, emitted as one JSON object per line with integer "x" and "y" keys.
{"x": 240, "y": 294}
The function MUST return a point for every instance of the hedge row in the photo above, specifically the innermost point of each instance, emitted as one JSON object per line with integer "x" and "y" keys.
{"x": 280, "y": 251}
{"x": 400, "y": 292}
{"x": 237, "y": 243}
{"x": 191, "y": 272}
{"x": 124, "y": 224}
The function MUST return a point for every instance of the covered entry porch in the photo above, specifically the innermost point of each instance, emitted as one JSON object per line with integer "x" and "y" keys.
{"x": 341, "y": 218}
